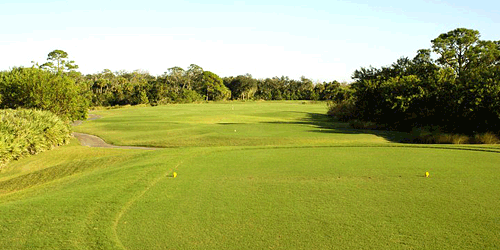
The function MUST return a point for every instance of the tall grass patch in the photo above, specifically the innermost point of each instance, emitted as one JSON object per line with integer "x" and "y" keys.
{"x": 430, "y": 136}
{"x": 28, "y": 132}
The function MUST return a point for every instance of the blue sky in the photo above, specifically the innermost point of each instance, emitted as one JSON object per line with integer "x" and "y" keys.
{"x": 322, "y": 40}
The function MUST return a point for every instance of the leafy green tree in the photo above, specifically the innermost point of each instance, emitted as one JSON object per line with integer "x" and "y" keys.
{"x": 459, "y": 92}
{"x": 305, "y": 89}
{"x": 194, "y": 77}
{"x": 177, "y": 78}
{"x": 456, "y": 49}
{"x": 243, "y": 87}
{"x": 213, "y": 87}
{"x": 319, "y": 89}
{"x": 36, "y": 88}
{"x": 423, "y": 65}
{"x": 160, "y": 91}
{"x": 58, "y": 62}
{"x": 265, "y": 89}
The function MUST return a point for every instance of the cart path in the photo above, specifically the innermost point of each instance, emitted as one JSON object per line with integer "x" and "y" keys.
{"x": 96, "y": 142}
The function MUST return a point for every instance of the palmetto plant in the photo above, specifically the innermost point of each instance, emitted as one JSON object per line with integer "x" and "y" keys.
{"x": 25, "y": 131}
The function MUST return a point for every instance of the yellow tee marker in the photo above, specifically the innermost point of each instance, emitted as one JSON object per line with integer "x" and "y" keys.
{"x": 426, "y": 174}
{"x": 174, "y": 174}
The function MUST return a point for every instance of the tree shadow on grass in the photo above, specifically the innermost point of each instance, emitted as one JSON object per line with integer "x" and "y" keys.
{"x": 323, "y": 123}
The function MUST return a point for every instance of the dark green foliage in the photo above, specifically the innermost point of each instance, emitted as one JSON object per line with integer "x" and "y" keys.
{"x": 194, "y": 84}
{"x": 175, "y": 86}
{"x": 180, "y": 86}
{"x": 187, "y": 96}
{"x": 35, "y": 88}
{"x": 242, "y": 87}
{"x": 433, "y": 135}
{"x": 342, "y": 110}
{"x": 24, "y": 132}
{"x": 58, "y": 63}
{"x": 121, "y": 88}
{"x": 213, "y": 87}
{"x": 459, "y": 93}
{"x": 269, "y": 88}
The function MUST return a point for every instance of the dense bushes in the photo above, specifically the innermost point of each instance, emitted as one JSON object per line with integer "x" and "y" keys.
{"x": 24, "y": 132}
{"x": 458, "y": 95}
{"x": 35, "y": 88}
{"x": 343, "y": 110}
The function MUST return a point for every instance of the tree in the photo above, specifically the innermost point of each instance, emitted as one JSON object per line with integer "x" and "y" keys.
{"x": 265, "y": 89}
{"x": 36, "y": 88}
{"x": 305, "y": 88}
{"x": 455, "y": 49}
{"x": 423, "y": 65}
{"x": 459, "y": 94}
{"x": 243, "y": 86}
{"x": 194, "y": 75}
{"x": 176, "y": 78}
{"x": 58, "y": 63}
{"x": 213, "y": 87}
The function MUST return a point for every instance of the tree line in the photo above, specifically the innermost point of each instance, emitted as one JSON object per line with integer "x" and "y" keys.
{"x": 452, "y": 86}
{"x": 57, "y": 86}
{"x": 457, "y": 92}
{"x": 179, "y": 85}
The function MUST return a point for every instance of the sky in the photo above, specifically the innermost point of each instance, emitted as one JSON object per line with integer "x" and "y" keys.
{"x": 321, "y": 40}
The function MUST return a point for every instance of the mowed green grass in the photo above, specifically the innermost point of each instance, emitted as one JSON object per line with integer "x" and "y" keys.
{"x": 322, "y": 198}
{"x": 223, "y": 124}
{"x": 313, "y": 185}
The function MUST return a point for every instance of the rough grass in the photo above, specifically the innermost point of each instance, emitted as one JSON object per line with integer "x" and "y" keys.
{"x": 426, "y": 137}
{"x": 324, "y": 187}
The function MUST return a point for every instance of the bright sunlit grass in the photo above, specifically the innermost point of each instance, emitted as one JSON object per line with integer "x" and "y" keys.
{"x": 223, "y": 124}
{"x": 288, "y": 178}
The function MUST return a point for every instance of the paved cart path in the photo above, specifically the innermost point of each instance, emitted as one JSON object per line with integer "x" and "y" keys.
{"x": 97, "y": 142}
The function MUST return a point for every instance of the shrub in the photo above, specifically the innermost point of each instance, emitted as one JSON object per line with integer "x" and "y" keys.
{"x": 34, "y": 88}
{"x": 189, "y": 96}
{"x": 344, "y": 110}
{"x": 26, "y": 132}
{"x": 452, "y": 139}
{"x": 486, "y": 138}
{"x": 433, "y": 135}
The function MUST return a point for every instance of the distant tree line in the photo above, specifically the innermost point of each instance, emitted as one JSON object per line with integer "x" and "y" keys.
{"x": 194, "y": 84}
{"x": 453, "y": 86}
{"x": 458, "y": 92}
{"x": 57, "y": 87}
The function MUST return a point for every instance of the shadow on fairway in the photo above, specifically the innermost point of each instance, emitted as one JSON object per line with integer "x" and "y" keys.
{"x": 326, "y": 124}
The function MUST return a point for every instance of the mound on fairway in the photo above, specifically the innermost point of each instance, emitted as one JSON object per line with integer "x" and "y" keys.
{"x": 287, "y": 178}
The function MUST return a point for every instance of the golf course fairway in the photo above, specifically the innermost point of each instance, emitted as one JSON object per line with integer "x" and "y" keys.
{"x": 250, "y": 175}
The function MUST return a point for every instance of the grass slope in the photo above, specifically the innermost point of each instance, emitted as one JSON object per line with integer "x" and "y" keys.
{"x": 294, "y": 181}
{"x": 223, "y": 124}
